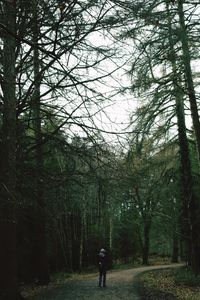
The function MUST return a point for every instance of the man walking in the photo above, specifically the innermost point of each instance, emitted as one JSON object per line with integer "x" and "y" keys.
{"x": 102, "y": 262}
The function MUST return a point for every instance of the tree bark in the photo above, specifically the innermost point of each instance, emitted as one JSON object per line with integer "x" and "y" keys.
{"x": 8, "y": 248}
{"x": 175, "y": 249}
{"x": 40, "y": 253}
{"x": 189, "y": 207}
{"x": 69, "y": 240}
{"x": 110, "y": 232}
{"x": 81, "y": 246}
{"x": 188, "y": 75}
{"x": 146, "y": 243}
{"x": 82, "y": 232}
{"x": 193, "y": 205}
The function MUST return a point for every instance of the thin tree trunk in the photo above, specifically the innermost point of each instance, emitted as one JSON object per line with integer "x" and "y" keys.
{"x": 62, "y": 235}
{"x": 69, "y": 232}
{"x": 83, "y": 228}
{"x": 81, "y": 246}
{"x": 110, "y": 233}
{"x": 175, "y": 248}
{"x": 99, "y": 205}
{"x": 146, "y": 243}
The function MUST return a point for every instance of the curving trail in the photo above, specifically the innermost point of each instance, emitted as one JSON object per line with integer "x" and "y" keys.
{"x": 120, "y": 286}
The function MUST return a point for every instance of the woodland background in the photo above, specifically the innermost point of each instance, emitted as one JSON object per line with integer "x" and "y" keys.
{"x": 65, "y": 190}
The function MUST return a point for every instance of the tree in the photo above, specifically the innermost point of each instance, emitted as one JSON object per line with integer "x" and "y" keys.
{"x": 8, "y": 251}
{"x": 188, "y": 74}
{"x": 187, "y": 193}
{"x": 147, "y": 168}
{"x": 53, "y": 62}
{"x": 159, "y": 48}
{"x": 40, "y": 259}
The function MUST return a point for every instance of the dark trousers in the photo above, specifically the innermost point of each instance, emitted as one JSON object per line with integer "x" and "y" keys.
{"x": 102, "y": 278}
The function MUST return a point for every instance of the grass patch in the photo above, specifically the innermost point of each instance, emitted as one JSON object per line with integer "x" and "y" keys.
{"x": 159, "y": 260}
{"x": 60, "y": 277}
{"x": 171, "y": 283}
{"x": 122, "y": 266}
{"x": 185, "y": 277}
{"x": 154, "y": 260}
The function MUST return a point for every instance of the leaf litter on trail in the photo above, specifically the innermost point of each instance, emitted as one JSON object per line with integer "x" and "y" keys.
{"x": 166, "y": 281}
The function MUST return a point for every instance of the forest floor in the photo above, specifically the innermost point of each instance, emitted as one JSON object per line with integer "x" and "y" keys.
{"x": 121, "y": 284}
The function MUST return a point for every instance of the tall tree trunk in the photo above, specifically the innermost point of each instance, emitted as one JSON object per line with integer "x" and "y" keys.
{"x": 187, "y": 194}
{"x": 69, "y": 240}
{"x": 189, "y": 215}
{"x": 81, "y": 245}
{"x": 193, "y": 203}
{"x": 188, "y": 75}
{"x": 8, "y": 249}
{"x": 146, "y": 242}
{"x": 62, "y": 236}
{"x": 175, "y": 248}
{"x": 110, "y": 232}
{"x": 41, "y": 261}
{"x": 82, "y": 231}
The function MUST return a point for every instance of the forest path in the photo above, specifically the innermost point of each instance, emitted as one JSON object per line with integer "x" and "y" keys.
{"x": 120, "y": 285}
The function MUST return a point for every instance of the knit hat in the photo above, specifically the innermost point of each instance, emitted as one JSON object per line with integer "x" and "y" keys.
{"x": 103, "y": 250}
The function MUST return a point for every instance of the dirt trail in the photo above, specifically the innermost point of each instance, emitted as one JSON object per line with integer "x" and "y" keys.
{"x": 120, "y": 285}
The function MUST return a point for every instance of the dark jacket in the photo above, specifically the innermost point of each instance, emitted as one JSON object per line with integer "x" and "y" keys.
{"x": 102, "y": 262}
